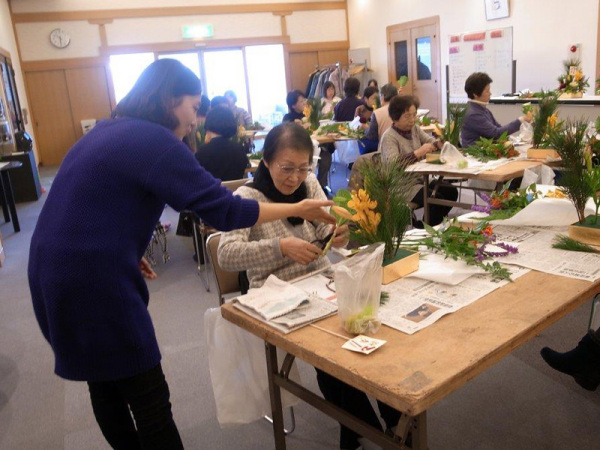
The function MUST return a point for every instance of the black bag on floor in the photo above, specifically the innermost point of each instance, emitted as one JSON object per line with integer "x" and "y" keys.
{"x": 185, "y": 226}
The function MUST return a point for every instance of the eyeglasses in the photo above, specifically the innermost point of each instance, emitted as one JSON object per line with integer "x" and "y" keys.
{"x": 410, "y": 115}
{"x": 289, "y": 170}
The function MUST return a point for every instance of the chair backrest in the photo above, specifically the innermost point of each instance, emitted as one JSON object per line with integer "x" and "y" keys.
{"x": 227, "y": 282}
{"x": 234, "y": 184}
{"x": 355, "y": 182}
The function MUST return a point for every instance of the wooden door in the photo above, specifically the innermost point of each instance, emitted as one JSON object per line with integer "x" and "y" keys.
{"x": 51, "y": 111}
{"x": 414, "y": 51}
{"x": 88, "y": 95}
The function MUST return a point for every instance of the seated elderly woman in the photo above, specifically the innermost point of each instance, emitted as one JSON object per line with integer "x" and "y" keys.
{"x": 479, "y": 121}
{"x": 292, "y": 248}
{"x": 406, "y": 140}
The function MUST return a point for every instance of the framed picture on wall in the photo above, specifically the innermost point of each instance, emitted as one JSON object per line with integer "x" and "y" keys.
{"x": 496, "y": 9}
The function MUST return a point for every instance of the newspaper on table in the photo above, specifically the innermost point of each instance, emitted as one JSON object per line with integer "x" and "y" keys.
{"x": 272, "y": 298}
{"x": 415, "y": 304}
{"x": 474, "y": 166}
{"x": 536, "y": 252}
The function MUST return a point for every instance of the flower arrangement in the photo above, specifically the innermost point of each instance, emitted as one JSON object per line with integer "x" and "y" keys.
{"x": 200, "y": 135}
{"x": 474, "y": 246}
{"x": 451, "y": 131}
{"x": 545, "y": 117}
{"x": 341, "y": 129}
{"x": 379, "y": 211}
{"x": 572, "y": 81}
{"x": 312, "y": 111}
{"x": 489, "y": 149}
{"x": 504, "y": 204}
{"x": 569, "y": 142}
{"x": 256, "y": 126}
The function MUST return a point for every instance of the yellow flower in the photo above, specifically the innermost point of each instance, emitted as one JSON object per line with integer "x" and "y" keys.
{"x": 552, "y": 120}
{"x": 307, "y": 110}
{"x": 578, "y": 75}
{"x": 365, "y": 215}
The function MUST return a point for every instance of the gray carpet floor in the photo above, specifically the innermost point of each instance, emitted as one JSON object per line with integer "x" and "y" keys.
{"x": 517, "y": 404}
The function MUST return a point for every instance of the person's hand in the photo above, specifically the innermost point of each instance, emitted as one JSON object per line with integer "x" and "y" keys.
{"x": 298, "y": 121}
{"x": 146, "y": 269}
{"x": 424, "y": 149}
{"x": 299, "y": 250}
{"x": 341, "y": 236}
{"x": 312, "y": 210}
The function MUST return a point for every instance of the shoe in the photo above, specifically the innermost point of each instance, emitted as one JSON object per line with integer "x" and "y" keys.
{"x": 582, "y": 363}
{"x": 418, "y": 224}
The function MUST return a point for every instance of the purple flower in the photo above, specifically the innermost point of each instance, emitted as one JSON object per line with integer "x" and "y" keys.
{"x": 507, "y": 247}
{"x": 486, "y": 198}
{"x": 483, "y": 209}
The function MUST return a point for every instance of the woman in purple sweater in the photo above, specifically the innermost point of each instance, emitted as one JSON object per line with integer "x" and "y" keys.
{"x": 86, "y": 275}
{"x": 479, "y": 121}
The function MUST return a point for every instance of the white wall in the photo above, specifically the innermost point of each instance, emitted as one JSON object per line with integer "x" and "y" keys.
{"x": 302, "y": 26}
{"x": 543, "y": 31}
{"x": 7, "y": 42}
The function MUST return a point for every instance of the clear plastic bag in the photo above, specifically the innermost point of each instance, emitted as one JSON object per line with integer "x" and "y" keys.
{"x": 358, "y": 286}
{"x": 450, "y": 156}
{"x": 524, "y": 135}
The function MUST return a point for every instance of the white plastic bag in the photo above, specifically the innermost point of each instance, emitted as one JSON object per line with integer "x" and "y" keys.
{"x": 358, "y": 286}
{"x": 238, "y": 371}
{"x": 452, "y": 157}
{"x": 524, "y": 135}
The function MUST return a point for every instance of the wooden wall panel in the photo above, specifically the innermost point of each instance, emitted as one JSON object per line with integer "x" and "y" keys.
{"x": 333, "y": 56}
{"x": 89, "y": 95}
{"x": 51, "y": 111}
{"x": 301, "y": 65}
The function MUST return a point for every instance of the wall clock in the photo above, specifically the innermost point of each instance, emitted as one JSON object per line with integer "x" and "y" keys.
{"x": 496, "y": 9}
{"x": 59, "y": 38}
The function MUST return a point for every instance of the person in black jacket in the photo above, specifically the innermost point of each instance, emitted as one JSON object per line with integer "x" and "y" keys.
{"x": 222, "y": 157}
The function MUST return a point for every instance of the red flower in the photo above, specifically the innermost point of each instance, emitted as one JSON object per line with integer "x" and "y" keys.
{"x": 487, "y": 231}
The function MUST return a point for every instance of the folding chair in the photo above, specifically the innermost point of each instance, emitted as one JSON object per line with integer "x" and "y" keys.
{"x": 228, "y": 283}
{"x": 201, "y": 231}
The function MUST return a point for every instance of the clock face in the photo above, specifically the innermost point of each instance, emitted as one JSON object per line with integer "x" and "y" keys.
{"x": 59, "y": 38}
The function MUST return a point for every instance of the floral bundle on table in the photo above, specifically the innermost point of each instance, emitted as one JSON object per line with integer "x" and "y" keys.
{"x": 492, "y": 149}
{"x": 312, "y": 112}
{"x": 504, "y": 204}
{"x": 545, "y": 118}
{"x": 451, "y": 131}
{"x": 476, "y": 246}
{"x": 572, "y": 83}
{"x": 340, "y": 130}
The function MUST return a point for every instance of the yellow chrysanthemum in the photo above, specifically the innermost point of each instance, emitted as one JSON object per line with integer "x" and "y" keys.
{"x": 365, "y": 215}
{"x": 578, "y": 75}
{"x": 552, "y": 120}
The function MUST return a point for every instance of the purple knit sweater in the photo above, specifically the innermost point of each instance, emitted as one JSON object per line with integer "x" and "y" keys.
{"x": 88, "y": 294}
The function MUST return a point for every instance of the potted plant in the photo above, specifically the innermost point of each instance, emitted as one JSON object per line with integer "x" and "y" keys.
{"x": 379, "y": 212}
{"x": 580, "y": 180}
{"x": 545, "y": 118}
{"x": 572, "y": 83}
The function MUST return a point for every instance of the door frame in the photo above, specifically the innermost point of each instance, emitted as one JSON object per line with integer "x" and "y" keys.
{"x": 407, "y": 26}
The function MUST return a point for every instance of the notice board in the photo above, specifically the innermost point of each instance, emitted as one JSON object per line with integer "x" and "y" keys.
{"x": 488, "y": 51}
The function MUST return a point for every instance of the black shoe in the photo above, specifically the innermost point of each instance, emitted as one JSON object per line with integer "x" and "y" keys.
{"x": 418, "y": 224}
{"x": 582, "y": 363}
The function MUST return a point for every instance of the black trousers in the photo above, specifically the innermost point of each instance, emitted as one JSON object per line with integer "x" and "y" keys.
{"x": 437, "y": 212}
{"x": 146, "y": 398}
{"x": 356, "y": 403}
{"x": 325, "y": 164}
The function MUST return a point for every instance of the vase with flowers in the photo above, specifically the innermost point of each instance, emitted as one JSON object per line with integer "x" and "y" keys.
{"x": 545, "y": 119}
{"x": 572, "y": 82}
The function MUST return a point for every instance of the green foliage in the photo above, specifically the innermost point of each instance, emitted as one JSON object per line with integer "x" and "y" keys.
{"x": 256, "y": 155}
{"x": 569, "y": 142}
{"x": 566, "y": 243}
{"x": 547, "y": 105}
{"x": 490, "y": 149}
{"x": 341, "y": 129}
{"x": 402, "y": 81}
{"x": 316, "y": 105}
{"x": 388, "y": 183}
{"x": 200, "y": 135}
{"x": 455, "y": 118}
{"x": 592, "y": 178}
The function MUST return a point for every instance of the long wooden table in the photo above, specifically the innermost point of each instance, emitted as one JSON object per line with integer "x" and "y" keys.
{"x": 501, "y": 175}
{"x": 414, "y": 372}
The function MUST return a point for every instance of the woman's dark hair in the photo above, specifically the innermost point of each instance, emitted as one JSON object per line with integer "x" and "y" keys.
{"x": 221, "y": 121}
{"x": 204, "y": 106}
{"x": 287, "y": 135}
{"x": 157, "y": 91}
{"x": 230, "y": 94}
{"x": 351, "y": 87}
{"x": 219, "y": 100}
{"x": 401, "y": 104}
{"x": 326, "y": 86}
{"x": 476, "y": 83}
{"x": 373, "y": 82}
{"x": 292, "y": 98}
{"x": 370, "y": 91}
{"x": 389, "y": 91}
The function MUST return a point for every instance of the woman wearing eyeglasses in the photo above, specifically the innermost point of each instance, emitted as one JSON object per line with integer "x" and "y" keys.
{"x": 406, "y": 140}
{"x": 291, "y": 248}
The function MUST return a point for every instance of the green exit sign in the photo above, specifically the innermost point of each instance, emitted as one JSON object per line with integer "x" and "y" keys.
{"x": 197, "y": 31}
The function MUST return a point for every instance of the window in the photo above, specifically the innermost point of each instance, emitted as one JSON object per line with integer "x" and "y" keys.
{"x": 7, "y": 80}
{"x": 126, "y": 69}
{"x": 224, "y": 71}
{"x": 189, "y": 60}
{"x": 266, "y": 80}
{"x": 424, "y": 58}
{"x": 401, "y": 54}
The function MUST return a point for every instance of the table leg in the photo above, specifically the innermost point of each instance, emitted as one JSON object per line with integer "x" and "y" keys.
{"x": 275, "y": 394}
{"x": 426, "y": 199}
{"x": 10, "y": 199}
{"x": 419, "y": 435}
{"x": 3, "y": 199}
